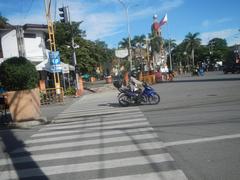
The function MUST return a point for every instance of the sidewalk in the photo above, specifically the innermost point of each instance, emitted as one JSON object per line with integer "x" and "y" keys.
{"x": 52, "y": 110}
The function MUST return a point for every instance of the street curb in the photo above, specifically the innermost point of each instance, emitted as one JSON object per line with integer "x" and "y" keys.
{"x": 26, "y": 124}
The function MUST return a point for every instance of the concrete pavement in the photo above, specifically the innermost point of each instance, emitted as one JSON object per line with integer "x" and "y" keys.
{"x": 48, "y": 112}
{"x": 93, "y": 138}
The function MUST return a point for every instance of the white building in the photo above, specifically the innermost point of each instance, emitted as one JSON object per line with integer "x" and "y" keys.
{"x": 28, "y": 41}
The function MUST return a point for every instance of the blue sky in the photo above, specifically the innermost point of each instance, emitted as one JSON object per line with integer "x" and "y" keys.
{"x": 105, "y": 19}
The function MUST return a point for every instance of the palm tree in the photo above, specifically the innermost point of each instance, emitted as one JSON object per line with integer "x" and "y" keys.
{"x": 192, "y": 42}
{"x": 138, "y": 41}
{"x": 172, "y": 43}
{"x": 123, "y": 43}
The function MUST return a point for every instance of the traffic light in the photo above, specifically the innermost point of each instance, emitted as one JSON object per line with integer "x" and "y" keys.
{"x": 63, "y": 14}
{"x": 77, "y": 69}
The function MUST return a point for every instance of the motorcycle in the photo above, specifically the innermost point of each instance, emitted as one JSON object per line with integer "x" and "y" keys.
{"x": 128, "y": 97}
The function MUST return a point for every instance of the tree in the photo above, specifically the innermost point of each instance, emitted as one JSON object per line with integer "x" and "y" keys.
{"x": 155, "y": 44}
{"x": 3, "y": 21}
{"x": 89, "y": 54}
{"x": 218, "y": 50}
{"x": 171, "y": 42}
{"x": 202, "y": 54}
{"x": 124, "y": 43}
{"x": 138, "y": 41}
{"x": 192, "y": 42}
{"x": 63, "y": 37}
{"x": 179, "y": 54}
{"x": 18, "y": 73}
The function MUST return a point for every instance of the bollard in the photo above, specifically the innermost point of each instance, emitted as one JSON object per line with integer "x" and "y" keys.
{"x": 79, "y": 90}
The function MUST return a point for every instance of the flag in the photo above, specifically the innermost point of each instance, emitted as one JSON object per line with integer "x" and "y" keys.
{"x": 163, "y": 21}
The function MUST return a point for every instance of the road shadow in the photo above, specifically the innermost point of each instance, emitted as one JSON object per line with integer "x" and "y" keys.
{"x": 110, "y": 105}
{"x": 9, "y": 143}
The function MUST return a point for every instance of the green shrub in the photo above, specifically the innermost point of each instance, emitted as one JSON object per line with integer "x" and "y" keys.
{"x": 70, "y": 91}
{"x": 18, "y": 73}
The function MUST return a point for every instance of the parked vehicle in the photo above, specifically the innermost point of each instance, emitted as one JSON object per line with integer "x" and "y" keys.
{"x": 232, "y": 68}
{"x": 128, "y": 97}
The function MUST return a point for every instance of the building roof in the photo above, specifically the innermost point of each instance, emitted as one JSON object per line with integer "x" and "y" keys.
{"x": 41, "y": 27}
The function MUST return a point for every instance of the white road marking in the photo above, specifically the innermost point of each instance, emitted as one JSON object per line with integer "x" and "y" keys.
{"x": 132, "y": 125}
{"x": 70, "y": 168}
{"x": 82, "y": 153}
{"x": 89, "y": 124}
{"x": 82, "y": 135}
{"x": 92, "y": 134}
{"x": 86, "y": 143}
{"x": 96, "y": 119}
{"x": 201, "y": 140}
{"x": 95, "y": 112}
{"x": 163, "y": 175}
{"x": 111, "y": 109}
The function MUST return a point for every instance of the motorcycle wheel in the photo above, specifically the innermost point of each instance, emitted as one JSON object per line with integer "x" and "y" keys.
{"x": 154, "y": 99}
{"x": 144, "y": 99}
{"x": 123, "y": 100}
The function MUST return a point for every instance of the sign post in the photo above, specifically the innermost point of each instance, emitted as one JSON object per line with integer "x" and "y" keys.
{"x": 55, "y": 63}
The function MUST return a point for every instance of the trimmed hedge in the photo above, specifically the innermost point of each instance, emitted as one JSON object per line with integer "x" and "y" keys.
{"x": 18, "y": 73}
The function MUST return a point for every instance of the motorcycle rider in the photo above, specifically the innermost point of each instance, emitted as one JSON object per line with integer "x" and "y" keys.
{"x": 136, "y": 86}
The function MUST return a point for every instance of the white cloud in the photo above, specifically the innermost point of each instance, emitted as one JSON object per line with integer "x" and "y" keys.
{"x": 171, "y": 4}
{"x": 163, "y": 7}
{"x": 102, "y": 25}
{"x": 106, "y": 24}
{"x": 19, "y": 19}
{"x": 207, "y": 22}
{"x": 98, "y": 25}
{"x": 231, "y": 35}
{"x": 100, "y": 22}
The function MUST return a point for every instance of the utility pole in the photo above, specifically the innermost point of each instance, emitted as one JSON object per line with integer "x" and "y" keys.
{"x": 170, "y": 53}
{"x": 129, "y": 37}
{"x": 52, "y": 40}
{"x": 67, "y": 19}
{"x": 76, "y": 67}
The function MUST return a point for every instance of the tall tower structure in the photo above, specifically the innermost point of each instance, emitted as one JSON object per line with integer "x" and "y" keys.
{"x": 52, "y": 40}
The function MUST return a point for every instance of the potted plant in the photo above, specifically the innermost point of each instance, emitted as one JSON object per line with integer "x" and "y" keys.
{"x": 20, "y": 77}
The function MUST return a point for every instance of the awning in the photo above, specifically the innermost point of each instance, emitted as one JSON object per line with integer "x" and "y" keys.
{"x": 45, "y": 66}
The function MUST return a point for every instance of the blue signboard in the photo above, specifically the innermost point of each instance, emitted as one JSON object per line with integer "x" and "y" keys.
{"x": 54, "y": 57}
{"x": 56, "y": 68}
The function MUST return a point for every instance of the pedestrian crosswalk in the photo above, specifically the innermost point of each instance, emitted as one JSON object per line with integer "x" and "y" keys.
{"x": 93, "y": 139}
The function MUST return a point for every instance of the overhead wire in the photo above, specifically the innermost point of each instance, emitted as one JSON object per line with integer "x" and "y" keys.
{"x": 55, "y": 11}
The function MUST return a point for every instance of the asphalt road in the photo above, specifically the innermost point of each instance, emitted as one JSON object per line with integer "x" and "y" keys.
{"x": 198, "y": 120}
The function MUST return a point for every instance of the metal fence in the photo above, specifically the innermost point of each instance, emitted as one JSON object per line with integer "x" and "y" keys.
{"x": 51, "y": 96}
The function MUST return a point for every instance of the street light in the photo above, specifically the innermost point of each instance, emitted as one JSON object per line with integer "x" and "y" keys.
{"x": 129, "y": 38}
{"x": 170, "y": 53}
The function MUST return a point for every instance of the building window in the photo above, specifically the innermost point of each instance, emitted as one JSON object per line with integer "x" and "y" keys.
{"x": 29, "y": 35}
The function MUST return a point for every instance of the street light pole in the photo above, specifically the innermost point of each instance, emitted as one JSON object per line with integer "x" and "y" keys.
{"x": 77, "y": 84}
{"x": 129, "y": 37}
{"x": 170, "y": 53}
